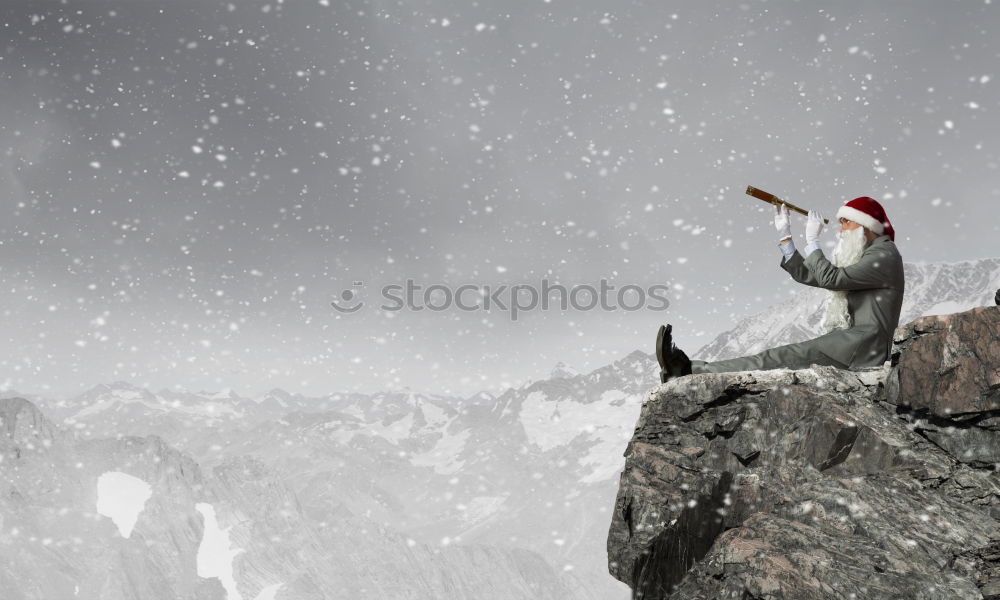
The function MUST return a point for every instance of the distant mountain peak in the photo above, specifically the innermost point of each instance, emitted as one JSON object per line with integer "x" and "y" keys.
{"x": 226, "y": 393}
{"x": 21, "y": 422}
{"x": 114, "y": 386}
{"x": 637, "y": 355}
{"x": 562, "y": 371}
{"x": 124, "y": 385}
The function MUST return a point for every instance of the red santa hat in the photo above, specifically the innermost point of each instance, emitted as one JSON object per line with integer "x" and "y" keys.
{"x": 868, "y": 213}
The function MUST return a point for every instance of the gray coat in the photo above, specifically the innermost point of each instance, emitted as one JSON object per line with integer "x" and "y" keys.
{"x": 874, "y": 299}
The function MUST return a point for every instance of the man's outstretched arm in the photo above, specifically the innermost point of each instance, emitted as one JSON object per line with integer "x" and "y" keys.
{"x": 793, "y": 263}
{"x": 873, "y": 270}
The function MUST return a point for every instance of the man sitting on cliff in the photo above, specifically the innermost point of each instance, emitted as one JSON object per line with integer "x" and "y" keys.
{"x": 866, "y": 282}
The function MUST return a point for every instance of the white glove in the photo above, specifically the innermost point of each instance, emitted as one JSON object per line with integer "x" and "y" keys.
{"x": 814, "y": 227}
{"x": 781, "y": 222}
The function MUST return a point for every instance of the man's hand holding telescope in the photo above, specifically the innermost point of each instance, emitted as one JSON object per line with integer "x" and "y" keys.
{"x": 782, "y": 223}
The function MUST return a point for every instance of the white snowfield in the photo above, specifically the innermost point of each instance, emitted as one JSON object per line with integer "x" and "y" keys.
{"x": 605, "y": 427}
{"x": 122, "y": 497}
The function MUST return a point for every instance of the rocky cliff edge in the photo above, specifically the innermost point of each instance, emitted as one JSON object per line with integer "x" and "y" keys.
{"x": 822, "y": 483}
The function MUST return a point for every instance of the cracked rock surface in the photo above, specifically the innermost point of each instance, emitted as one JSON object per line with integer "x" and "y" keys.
{"x": 947, "y": 381}
{"x": 821, "y": 483}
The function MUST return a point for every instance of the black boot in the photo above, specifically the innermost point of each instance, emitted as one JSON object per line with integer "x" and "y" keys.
{"x": 663, "y": 345}
{"x": 673, "y": 361}
{"x": 679, "y": 363}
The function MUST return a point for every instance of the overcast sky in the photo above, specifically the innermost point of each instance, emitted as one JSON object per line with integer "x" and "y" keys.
{"x": 187, "y": 185}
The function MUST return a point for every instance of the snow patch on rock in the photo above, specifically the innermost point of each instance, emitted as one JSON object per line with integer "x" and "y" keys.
{"x": 122, "y": 498}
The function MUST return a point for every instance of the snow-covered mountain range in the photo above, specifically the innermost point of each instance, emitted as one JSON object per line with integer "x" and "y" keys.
{"x": 237, "y": 530}
{"x": 530, "y": 473}
{"x": 510, "y": 494}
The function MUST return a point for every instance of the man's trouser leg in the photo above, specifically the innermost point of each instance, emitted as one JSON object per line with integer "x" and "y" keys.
{"x": 790, "y": 356}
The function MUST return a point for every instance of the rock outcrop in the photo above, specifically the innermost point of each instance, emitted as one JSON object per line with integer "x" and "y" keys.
{"x": 822, "y": 483}
{"x": 948, "y": 380}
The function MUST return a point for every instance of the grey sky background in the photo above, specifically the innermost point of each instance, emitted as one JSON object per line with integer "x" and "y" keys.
{"x": 187, "y": 185}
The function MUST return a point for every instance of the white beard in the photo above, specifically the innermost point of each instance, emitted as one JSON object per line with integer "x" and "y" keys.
{"x": 850, "y": 246}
